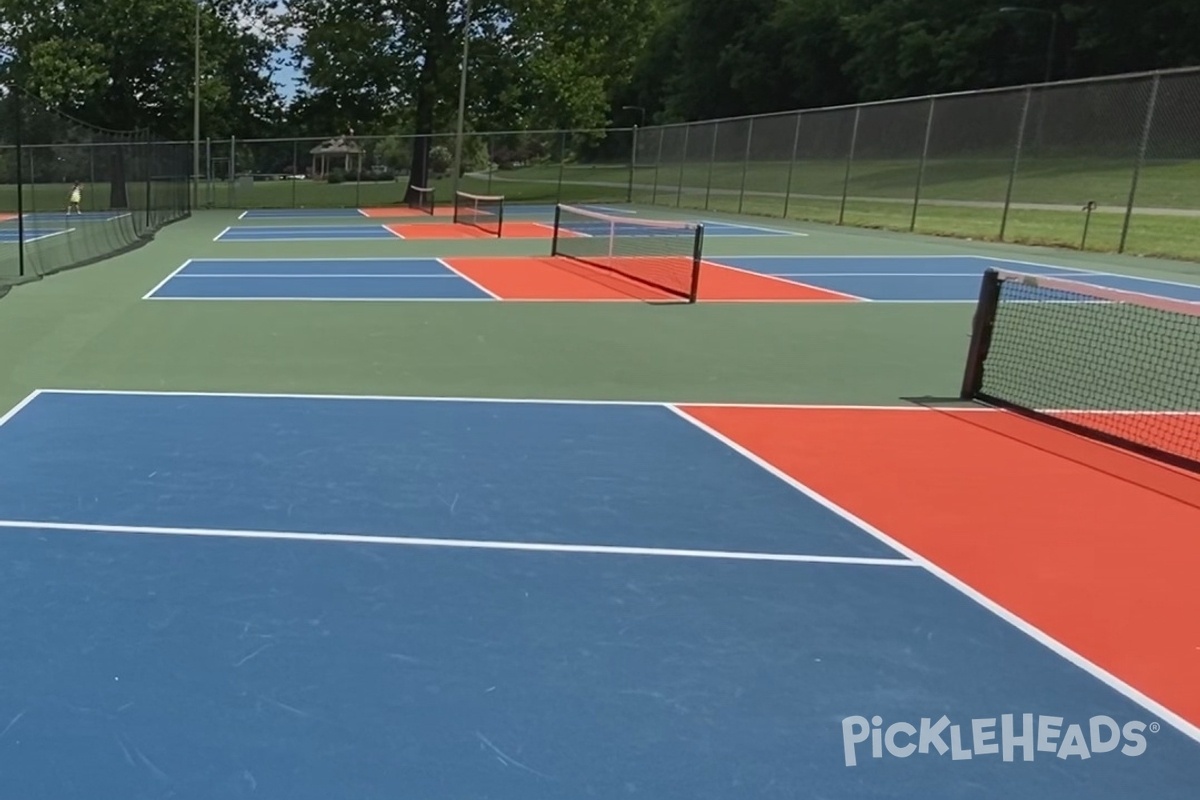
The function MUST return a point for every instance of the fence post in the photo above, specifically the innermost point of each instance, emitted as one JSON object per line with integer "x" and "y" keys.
{"x": 682, "y": 163}
{"x": 1147, "y": 125}
{"x": 746, "y": 165}
{"x": 19, "y": 131}
{"x": 1012, "y": 175}
{"x": 787, "y": 192}
{"x": 712, "y": 159}
{"x": 912, "y": 225}
{"x": 232, "y": 172}
{"x": 208, "y": 170}
{"x": 632, "y": 165}
{"x": 562, "y": 163}
{"x": 662, "y": 134}
{"x": 849, "y": 161}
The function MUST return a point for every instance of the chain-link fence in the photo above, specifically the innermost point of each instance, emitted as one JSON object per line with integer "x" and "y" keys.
{"x": 1018, "y": 164}
{"x": 72, "y": 193}
{"x": 374, "y": 171}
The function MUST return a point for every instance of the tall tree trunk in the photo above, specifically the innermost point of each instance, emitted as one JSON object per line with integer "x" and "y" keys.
{"x": 418, "y": 174}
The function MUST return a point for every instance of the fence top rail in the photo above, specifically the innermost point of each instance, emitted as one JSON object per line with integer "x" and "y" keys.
{"x": 436, "y": 134}
{"x": 1024, "y": 87}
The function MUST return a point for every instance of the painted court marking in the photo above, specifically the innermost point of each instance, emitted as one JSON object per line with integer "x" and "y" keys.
{"x": 471, "y": 544}
{"x": 1110, "y": 680}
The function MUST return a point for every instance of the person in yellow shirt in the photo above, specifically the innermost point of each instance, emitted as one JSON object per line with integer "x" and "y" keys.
{"x": 75, "y": 199}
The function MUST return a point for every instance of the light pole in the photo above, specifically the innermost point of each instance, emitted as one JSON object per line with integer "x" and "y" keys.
{"x": 462, "y": 100}
{"x": 1053, "y": 15}
{"x": 196, "y": 118}
{"x": 641, "y": 114}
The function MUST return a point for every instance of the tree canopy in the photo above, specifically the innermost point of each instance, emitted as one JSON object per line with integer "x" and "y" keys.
{"x": 382, "y": 66}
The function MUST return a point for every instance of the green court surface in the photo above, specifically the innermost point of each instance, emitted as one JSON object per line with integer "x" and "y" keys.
{"x": 213, "y": 544}
{"x": 91, "y": 329}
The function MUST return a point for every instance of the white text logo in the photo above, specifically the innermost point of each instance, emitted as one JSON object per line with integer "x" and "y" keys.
{"x": 1010, "y": 737}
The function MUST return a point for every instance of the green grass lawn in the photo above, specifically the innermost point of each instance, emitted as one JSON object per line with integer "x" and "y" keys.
{"x": 959, "y": 197}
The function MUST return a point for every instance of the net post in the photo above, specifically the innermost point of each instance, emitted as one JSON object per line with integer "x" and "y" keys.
{"x": 500, "y": 219}
{"x": 1147, "y": 125}
{"x": 557, "y": 225}
{"x": 981, "y": 334}
{"x": 697, "y": 260}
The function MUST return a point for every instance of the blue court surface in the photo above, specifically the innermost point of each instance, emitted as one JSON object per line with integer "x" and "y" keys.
{"x": 318, "y": 279}
{"x": 301, "y": 233}
{"x": 511, "y": 210}
{"x": 916, "y": 279}
{"x": 311, "y": 598}
{"x": 11, "y": 235}
{"x": 297, "y": 233}
{"x": 931, "y": 278}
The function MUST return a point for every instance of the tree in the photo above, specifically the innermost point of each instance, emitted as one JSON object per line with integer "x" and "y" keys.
{"x": 375, "y": 64}
{"x": 125, "y": 64}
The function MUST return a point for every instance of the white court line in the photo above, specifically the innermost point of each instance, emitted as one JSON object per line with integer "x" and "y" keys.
{"x": 293, "y": 276}
{"x": 1092, "y": 272}
{"x": 288, "y": 299}
{"x": 610, "y": 210}
{"x": 890, "y": 274}
{"x": 996, "y": 260}
{"x": 218, "y": 238}
{"x": 315, "y": 239}
{"x": 1047, "y": 641}
{"x": 19, "y": 407}
{"x": 745, "y": 271}
{"x": 477, "y": 285}
{"x": 30, "y": 240}
{"x": 150, "y": 294}
{"x": 468, "y": 544}
{"x": 243, "y": 214}
{"x": 673, "y": 406}
{"x": 334, "y": 259}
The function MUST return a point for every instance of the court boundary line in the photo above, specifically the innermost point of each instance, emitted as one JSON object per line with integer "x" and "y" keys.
{"x": 239, "y": 276}
{"x": 1110, "y": 680}
{"x": 975, "y": 257}
{"x": 471, "y": 281}
{"x": 278, "y": 259}
{"x": 150, "y": 294}
{"x": 49, "y": 235}
{"x": 217, "y": 238}
{"x": 848, "y": 297}
{"x": 192, "y": 298}
{"x": 973, "y": 408}
{"x": 467, "y": 544}
{"x": 762, "y": 228}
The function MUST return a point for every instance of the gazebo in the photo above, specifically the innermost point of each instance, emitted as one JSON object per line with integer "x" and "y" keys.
{"x": 341, "y": 150}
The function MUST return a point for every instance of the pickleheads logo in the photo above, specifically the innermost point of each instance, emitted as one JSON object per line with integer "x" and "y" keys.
{"x": 1006, "y": 737}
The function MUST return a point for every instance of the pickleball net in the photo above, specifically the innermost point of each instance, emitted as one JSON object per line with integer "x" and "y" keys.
{"x": 484, "y": 212}
{"x": 421, "y": 198}
{"x": 1121, "y": 367}
{"x": 664, "y": 255}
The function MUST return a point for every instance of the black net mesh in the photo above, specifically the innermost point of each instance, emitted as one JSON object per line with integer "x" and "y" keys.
{"x": 658, "y": 254}
{"x": 74, "y": 193}
{"x": 1118, "y": 366}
